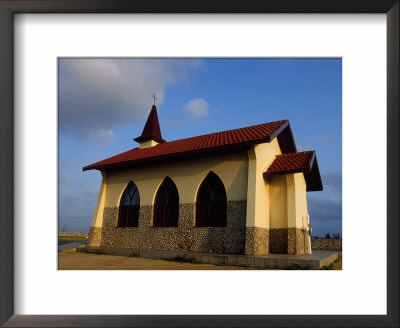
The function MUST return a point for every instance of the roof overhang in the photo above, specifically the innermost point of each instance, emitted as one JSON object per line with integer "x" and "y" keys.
{"x": 173, "y": 157}
{"x": 145, "y": 138}
{"x": 311, "y": 173}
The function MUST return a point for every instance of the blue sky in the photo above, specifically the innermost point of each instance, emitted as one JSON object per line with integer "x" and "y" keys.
{"x": 103, "y": 105}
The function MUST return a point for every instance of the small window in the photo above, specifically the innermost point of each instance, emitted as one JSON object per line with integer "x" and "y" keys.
{"x": 166, "y": 205}
{"x": 211, "y": 203}
{"x": 128, "y": 211}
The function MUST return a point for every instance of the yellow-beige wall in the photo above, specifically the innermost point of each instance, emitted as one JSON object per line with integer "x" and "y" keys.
{"x": 97, "y": 220}
{"x": 148, "y": 143}
{"x": 187, "y": 176}
{"x": 301, "y": 200}
{"x": 260, "y": 158}
{"x": 278, "y": 202}
{"x": 288, "y": 201}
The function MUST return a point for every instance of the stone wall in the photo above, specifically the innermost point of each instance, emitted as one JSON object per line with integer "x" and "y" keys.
{"x": 235, "y": 238}
{"x": 185, "y": 237}
{"x": 257, "y": 241}
{"x": 278, "y": 243}
{"x": 326, "y": 244}
{"x": 297, "y": 241}
{"x": 94, "y": 237}
{"x": 288, "y": 241}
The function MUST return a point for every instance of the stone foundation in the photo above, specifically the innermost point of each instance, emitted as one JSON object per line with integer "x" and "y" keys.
{"x": 315, "y": 261}
{"x": 257, "y": 241}
{"x": 186, "y": 237}
{"x": 94, "y": 237}
{"x": 235, "y": 238}
{"x": 288, "y": 241}
{"x": 278, "y": 243}
{"x": 296, "y": 241}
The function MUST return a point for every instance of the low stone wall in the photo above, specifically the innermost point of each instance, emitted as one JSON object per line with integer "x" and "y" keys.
{"x": 326, "y": 244}
{"x": 186, "y": 237}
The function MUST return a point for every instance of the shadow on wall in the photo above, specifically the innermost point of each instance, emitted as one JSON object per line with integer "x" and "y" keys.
{"x": 178, "y": 173}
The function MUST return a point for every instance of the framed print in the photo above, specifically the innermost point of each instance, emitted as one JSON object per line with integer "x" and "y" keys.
{"x": 35, "y": 34}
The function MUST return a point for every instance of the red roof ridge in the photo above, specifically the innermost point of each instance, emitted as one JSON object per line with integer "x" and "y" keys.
{"x": 297, "y": 152}
{"x": 239, "y": 130}
{"x": 221, "y": 140}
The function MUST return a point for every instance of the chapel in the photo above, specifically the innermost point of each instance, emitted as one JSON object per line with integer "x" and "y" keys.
{"x": 240, "y": 191}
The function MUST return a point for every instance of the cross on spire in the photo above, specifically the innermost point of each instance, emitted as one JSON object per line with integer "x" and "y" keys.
{"x": 151, "y": 130}
{"x": 155, "y": 98}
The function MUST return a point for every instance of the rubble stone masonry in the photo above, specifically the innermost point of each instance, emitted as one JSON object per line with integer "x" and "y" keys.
{"x": 185, "y": 237}
{"x": 94, "y": 237}
{"x": 257, "y": 241}
{"x": 235, "y": 238}
{"x": 326, "y": 244}
{"x": 288, "y": 241}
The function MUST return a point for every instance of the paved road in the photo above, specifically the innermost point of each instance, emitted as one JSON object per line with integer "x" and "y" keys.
{"x": 70, "y": 245}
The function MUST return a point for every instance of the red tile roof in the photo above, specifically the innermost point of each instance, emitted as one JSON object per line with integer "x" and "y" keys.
{"x": 293, "y": 162}
{"x": 151, "y": 129}
{"x": 305, "y": 162}
{"x": 220, "y": 141}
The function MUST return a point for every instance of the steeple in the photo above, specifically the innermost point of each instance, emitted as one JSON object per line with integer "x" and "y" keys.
{"x": 151, "y": 134}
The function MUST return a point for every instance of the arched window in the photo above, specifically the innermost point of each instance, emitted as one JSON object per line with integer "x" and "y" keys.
{"x": 128, "y": 212}
{"x": 211, "y": 203}
{"x": 166, "y": 206}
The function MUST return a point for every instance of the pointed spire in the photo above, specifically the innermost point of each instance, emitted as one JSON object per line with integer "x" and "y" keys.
{"x": 151, "y": 129}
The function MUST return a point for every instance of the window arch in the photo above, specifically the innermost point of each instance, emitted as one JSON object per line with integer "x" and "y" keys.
{"x": 128, "y": 211}
{"x": 166, "y": 205}
{"x": 211, "y": 203}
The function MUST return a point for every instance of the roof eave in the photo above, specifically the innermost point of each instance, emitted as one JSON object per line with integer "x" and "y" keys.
{"x": 313, "y": 177}
{"x": 181, "y": 155}
{"x": 145, "y": 138}
{"x": 285, "y": 138}
{"x": 272, "y": 174}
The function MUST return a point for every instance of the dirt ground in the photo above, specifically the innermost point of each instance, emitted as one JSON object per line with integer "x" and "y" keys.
{"x": 72, "y": 260}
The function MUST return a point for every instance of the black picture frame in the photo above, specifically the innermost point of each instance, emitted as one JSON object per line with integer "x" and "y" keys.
{"x": 10, "y": 7}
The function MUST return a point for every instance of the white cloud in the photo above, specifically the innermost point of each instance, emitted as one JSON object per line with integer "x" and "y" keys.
{"x": 96, "y": 95}
{"x": 197, "y": 107}
{"x": 327, "y": 140}
{"x": 62, "y": 179}
{"x": 100, "y": 135}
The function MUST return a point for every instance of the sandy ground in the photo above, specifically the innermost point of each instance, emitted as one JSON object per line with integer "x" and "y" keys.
{"x": 72, "y": 260}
